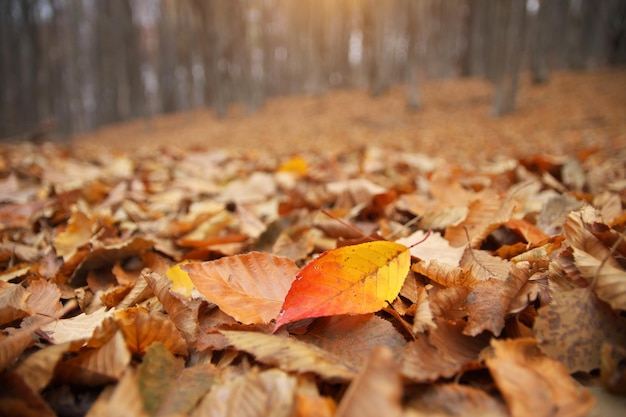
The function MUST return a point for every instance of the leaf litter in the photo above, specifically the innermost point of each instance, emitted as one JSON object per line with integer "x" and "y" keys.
{"x": 180, "y": 283}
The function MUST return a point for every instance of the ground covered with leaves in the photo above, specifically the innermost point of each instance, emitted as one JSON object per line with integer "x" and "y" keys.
{"x": 188, "y": 278}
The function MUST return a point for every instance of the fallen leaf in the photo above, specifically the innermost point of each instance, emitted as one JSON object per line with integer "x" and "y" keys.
{"x": 290, "y": 354}
{"x": 249, "y": 287}
{"x": 268, "y": 393}
{"x": 441, "y": 353}
{"x": 168, "y": 388}
{"x": 533, "y": 384}
{"x": 353, "y": 279}
{"x": 573, "y": 328}
{"x": 141, "y": 328}
{"x": 450, "y": 400}
{"x": 609, "y": 283}
{"x": 353, "y": 338}
{"x": 377, "y": 388}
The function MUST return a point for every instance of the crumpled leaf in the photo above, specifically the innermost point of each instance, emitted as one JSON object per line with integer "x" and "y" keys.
{"x": 609, "y": 282}
{"x": 141, "y": 328}
{"x": 455, "y": 400}
{"x": 249, "y": 287}
{"x": 353, "y": 338}
{"x": 444, "y": 352}
{"x": 573, "y": 328}
{"x": 377, "y": 388}
{"x": 268, "y": 393}
{"x": 167, "y": 387}
{"x": 290, "y": 354}
{"x": 533, "y": 384}
{"x": 13, "y": 302}
{"x": 355, "y": 279}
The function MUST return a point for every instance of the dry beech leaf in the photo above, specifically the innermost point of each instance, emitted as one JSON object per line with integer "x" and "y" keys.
{"x": 482, "y": 265}
{"x": 249, "y": 287}
{"x": 423, "y": 318}
{"x": 443, "y": 273}
{"x": 96, "y": 366}
{"x": 432, "y": 246}
{"x": 121, "y": 400}
{"x": 442, "y": 353}
{"x": 309, "y": 402}
{"x": 489, "y": 301}
{"x": 38, "y": 369}
{"x": 166, "y": 387}
{"x": 290, "y": 354}
{"x": 269, "y": 393}
{"x": 450, "y": 400}
{"x": 45, "y": 298}
{"x": 79, "y": 327}
{"x": 485, "y": 215}
{"x": 573, "y": 328}
{"x": 141, "y": 328}
{"x": 13, "y": 302}
{"x": 17, "y": 399}
{"x": 352, "y": 338}
{"x": 80, "y": 228}
{"x": 182, "y": 311}
{"x": 377, "y": 389}
{"x": 354, "y": 279}
{"x": 533, "y": 384}
{"x": 609, "y": 282}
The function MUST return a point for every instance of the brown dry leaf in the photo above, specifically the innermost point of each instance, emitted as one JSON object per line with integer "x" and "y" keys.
{"x": 483, "y": 265}
{"x": 573, "y": 328}
{"x": 534, "y": 385}
{"x": 441, "y": 353}
{"x": 250, "y": 287}
{"x": 96, "y": 366}
{"x": 13, "y": 302}
{"x": 485, "y": 215}
{"x": 290, "y": 354}
{"x": 121, "y": 400}
{"x": 80, "y": 229}
{"x": 433, "y": 247}
{"x": 17, "y": 399}
{"x": 444, "y": 273}
{"x": 489, "y": 301}
{"x": 377, "y": 389}
{"x": 141, "y": 328}
{"x": 38, "y": 369}
{"x": 352, "y": 338}
{"x": 45, "y": 298}
{"x": 255, "y": 394}
{"x": 168, "y": 388}
{"x": 309, "y": 402}
{"x": 423, "y": 317}
{"x": 450, "y": 400}
{"x": 609, "y": 283}
{"x": 79, "y": 327}
{"x": 182, "y": 311}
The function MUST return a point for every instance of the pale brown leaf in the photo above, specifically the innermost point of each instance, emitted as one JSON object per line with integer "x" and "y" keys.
{"x": 141, "y": 328}
{"x": 573, "y": 328}
{"x": 454, "y": 400}
{"x": 444, "y": 352}
{"x": 249, "y": 287}
{"x": 121, "y": 400}
{"x": 377, "y": 388}
{"x": 290, "y": 354}
{"x": 13, "y": 302}
{"x": 609, "y": 282}
{"x": 534, "y": 385}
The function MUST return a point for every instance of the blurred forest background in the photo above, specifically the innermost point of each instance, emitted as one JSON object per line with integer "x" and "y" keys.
{"x": 69, "y": 66}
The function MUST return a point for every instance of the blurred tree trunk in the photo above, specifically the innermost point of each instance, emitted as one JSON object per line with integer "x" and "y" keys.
{"x": 510, "y": 18}
{"x": 418, "y": 13}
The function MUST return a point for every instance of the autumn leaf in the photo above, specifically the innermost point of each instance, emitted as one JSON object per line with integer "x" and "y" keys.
{"x": 290, "y": 354}
{"x": 353, "y": 279}
{"x": 249, "y": 287}
{"x": 573, "y": 328}
{"x": 533, "y": 384}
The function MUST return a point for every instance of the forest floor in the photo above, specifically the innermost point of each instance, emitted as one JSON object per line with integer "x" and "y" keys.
{"x": 193, "y": 266}
{"x": 574, "y": 111}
